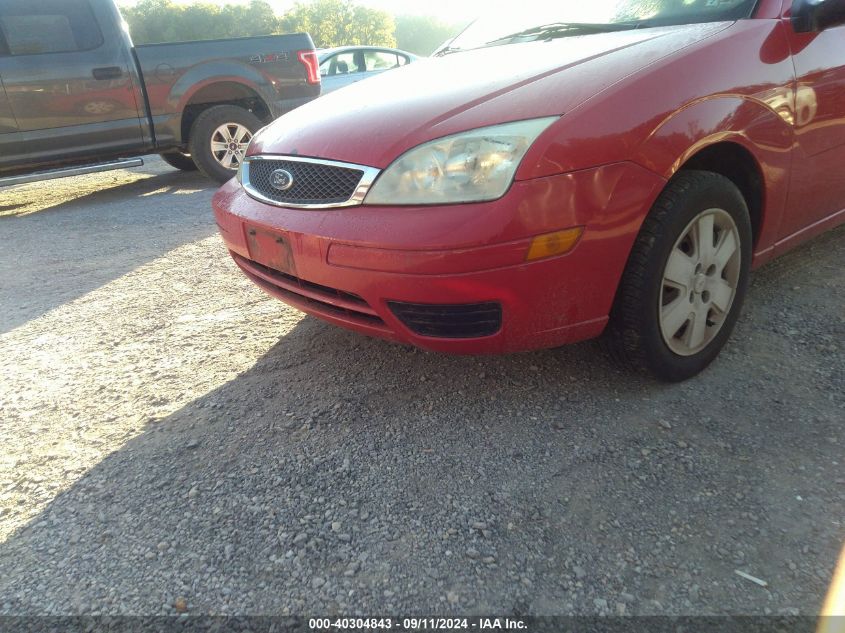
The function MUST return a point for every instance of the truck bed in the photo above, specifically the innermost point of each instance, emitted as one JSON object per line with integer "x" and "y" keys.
{"x": 267, "y": 64}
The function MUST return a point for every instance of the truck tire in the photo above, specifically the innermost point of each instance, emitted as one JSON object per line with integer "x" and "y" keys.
{"x": 219, "y": 139}
{"x": 179, "y": 160}
{"x": 683, "y": 288}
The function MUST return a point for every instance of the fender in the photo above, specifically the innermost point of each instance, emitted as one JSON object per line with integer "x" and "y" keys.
{"x": 661, "y": 115}
{"x": 763, "y": 125}
{"x": 207, "y": 74}
{"x": 230, "y": 71}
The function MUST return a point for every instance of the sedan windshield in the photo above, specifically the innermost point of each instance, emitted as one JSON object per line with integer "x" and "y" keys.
{"x": 534, "y": 20}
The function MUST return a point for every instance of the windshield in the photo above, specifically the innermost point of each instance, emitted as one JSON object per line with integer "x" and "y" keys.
{"x": 535, "y": 20}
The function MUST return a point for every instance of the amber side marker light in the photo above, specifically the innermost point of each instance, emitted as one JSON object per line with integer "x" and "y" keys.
{"x": 552, "y": 244}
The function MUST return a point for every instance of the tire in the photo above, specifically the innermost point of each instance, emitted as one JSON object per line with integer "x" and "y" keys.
{"x": 179, "y": 160}
{"x": 673, "y": 314}
{"x": 211, "y": 126}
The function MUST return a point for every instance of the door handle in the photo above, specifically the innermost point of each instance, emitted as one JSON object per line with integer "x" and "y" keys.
{"x": 111, "y": 72}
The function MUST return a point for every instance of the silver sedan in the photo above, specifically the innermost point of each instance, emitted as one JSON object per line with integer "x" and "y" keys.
{"x": 346, "y": 65}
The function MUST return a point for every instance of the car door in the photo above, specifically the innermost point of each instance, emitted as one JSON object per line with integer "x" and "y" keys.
{"x": 9, "y": 136}
{"x": 817, "y": 188}
{"x": 67, "y": 80}
{"x": 341, "y": 69}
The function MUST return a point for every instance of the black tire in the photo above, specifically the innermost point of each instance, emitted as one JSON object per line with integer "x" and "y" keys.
{"x": 179, "y": 160}
{"x": 203, "y": 130}
{"x": 635, "y": 335}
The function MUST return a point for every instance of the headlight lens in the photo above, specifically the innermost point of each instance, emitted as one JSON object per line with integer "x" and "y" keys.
{"x": 474, "y": 166}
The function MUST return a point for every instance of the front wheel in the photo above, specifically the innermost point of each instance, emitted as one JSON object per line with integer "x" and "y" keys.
{"x": 219, "y": 139}
{"x": 686, "y": 279}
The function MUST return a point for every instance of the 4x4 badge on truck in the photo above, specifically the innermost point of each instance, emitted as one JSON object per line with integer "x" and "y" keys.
{"x": 281, "y": 180}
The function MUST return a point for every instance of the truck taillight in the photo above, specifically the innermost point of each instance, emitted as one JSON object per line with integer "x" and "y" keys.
{"x": 312, "y": 65}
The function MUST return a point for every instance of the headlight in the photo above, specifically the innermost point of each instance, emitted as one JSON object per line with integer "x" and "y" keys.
{"x": 474, "y": 166}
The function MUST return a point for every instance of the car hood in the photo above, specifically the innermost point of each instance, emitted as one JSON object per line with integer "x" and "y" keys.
{"x": 374, "y": 121}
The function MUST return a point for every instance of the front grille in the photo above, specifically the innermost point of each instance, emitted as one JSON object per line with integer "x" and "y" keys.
{"x": 314, "y": 183}
{"x": 450, "y": 321}
{"x": 306, "y": 294}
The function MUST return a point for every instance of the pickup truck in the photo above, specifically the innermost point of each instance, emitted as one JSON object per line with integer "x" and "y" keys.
{"x": 76, "y": 96}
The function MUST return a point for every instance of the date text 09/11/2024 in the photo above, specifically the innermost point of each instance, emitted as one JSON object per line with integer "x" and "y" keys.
{"x": 417, "y": 624}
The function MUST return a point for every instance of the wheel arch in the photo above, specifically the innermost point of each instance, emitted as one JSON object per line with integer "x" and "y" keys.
{"x": 217, "y": 83}
{"x": 736, "y": 163}
{"x": 222, "y": 92}
{"x": 739, "y": 138}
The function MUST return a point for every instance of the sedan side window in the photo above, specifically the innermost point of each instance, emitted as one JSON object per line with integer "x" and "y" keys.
{"x": 49, "y": 26}
{"x": 381, "y": 60}
{"x": 324, "y": 67}
{"x": 340, "y": 64}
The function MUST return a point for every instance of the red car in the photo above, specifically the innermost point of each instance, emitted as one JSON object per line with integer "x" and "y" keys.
{"x": 556, "y": 174}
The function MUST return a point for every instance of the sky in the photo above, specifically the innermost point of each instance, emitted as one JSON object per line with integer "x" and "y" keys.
{"x": 449, "y": 11}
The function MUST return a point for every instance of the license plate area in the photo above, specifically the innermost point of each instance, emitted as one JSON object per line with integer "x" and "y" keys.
{"x": 271, "y": 249}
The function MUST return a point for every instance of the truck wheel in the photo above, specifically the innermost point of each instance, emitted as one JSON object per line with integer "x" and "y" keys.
{"x": 179, "y": 160}
{"x": 682, "y": 291}
{"x": 219, "y": 139}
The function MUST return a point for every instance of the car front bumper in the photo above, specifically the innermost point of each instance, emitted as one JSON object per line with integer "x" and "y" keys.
{"x": 401, "y": 273}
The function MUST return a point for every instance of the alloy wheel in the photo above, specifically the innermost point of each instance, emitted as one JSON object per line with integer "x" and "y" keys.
{"x": 229, "y": 144}
{"x": 700, "y": 282}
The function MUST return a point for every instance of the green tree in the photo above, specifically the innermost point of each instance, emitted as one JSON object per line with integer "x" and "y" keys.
{"x": 148, "y": 19}
{"x": 330, "y": 23}
{"x": 340, "y": 23}
{"x": 423, "y": 34}
{"x": 164, "y": 21}
{"x": 257, "y": 18}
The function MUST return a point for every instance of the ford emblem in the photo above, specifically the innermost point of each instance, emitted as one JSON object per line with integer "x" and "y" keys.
{"x": 281, "y": 180}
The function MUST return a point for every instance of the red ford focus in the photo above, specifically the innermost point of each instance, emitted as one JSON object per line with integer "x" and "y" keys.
{"x": 555, "y": 174}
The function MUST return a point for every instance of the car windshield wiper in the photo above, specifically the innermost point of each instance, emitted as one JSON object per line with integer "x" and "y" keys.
{"x": 549, "y": 32}
{"x": 563, "y": 29}
{"x": 448, "y": 51}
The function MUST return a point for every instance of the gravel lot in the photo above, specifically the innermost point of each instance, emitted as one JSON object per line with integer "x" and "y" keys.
{"x": 173, "y": 439}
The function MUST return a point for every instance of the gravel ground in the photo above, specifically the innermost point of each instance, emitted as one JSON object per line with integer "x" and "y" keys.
{"x": 172, "y": 439}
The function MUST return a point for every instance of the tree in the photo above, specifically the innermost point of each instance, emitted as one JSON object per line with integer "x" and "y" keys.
{"x": 330, "y": 23}
{"x": 423, "y": 34}
{"x": 164, "y": 21}
{"x": 257, "y": 18}
{"x": 149, "y": 18}
{"x": 340, "y": 23}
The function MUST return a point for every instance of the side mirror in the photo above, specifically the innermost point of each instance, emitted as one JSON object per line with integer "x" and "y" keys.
{"x": 812, "y": 16}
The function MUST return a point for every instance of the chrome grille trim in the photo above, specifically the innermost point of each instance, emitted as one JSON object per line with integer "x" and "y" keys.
{"x": 367, "y": 179}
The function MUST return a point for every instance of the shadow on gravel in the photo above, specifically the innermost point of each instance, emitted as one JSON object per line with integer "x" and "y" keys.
{"x": 342, "y": 474}
{"x": 96, "y": 189}
{"x": 78, "y": 243}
